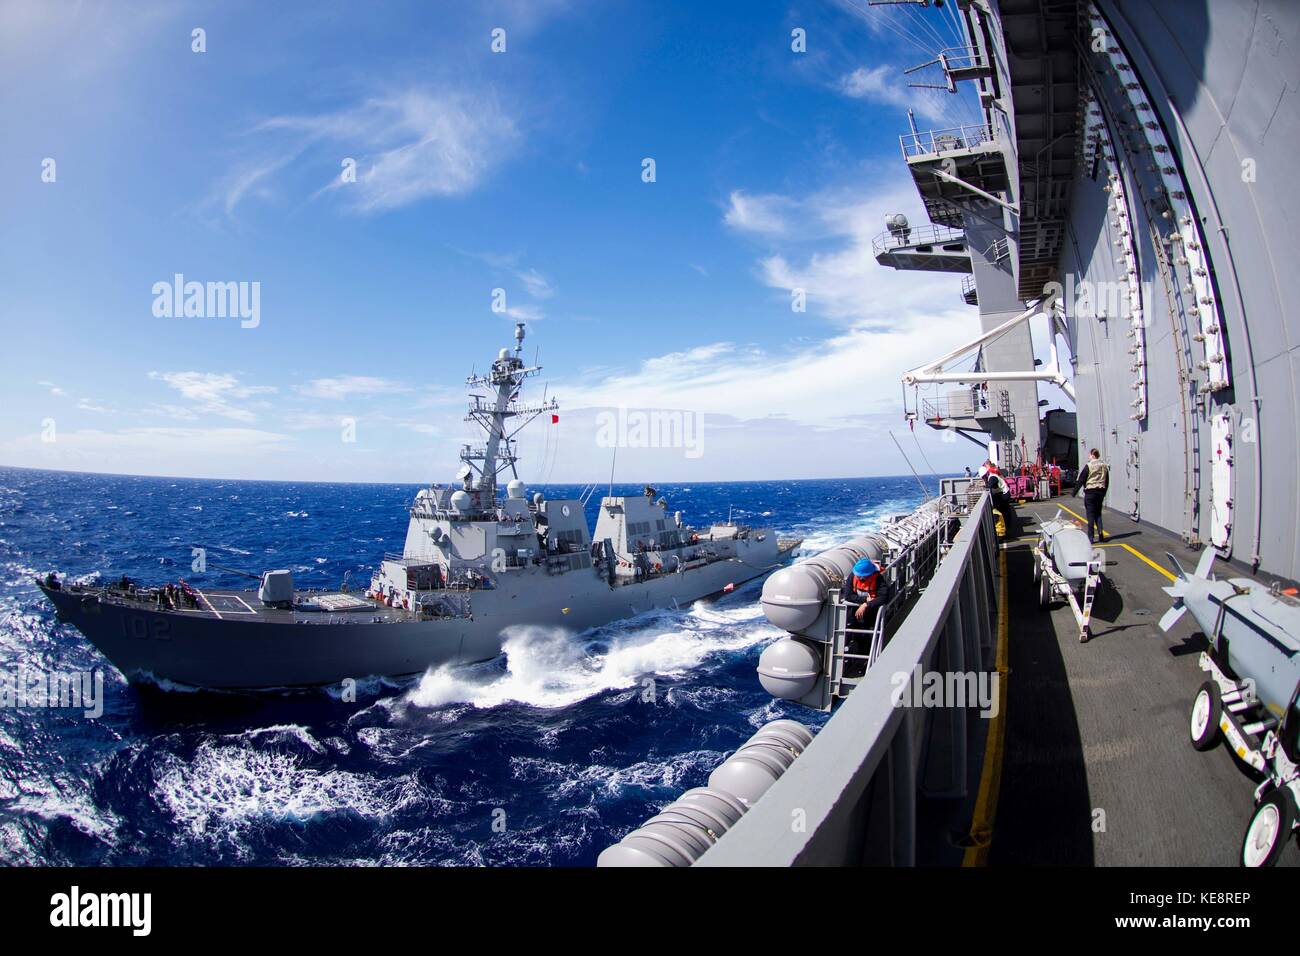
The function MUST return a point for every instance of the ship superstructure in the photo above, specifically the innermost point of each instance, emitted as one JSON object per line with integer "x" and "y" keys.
{"x": 1124, "y": 185}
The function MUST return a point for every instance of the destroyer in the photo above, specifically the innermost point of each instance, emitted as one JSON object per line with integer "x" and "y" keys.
{"x": 474, "y": 564}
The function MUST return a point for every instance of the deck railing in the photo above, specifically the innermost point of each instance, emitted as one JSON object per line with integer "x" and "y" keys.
{"x": 937, "y": 142}
{"x": 916, "y": 236}
{"x": 856, "y": 786}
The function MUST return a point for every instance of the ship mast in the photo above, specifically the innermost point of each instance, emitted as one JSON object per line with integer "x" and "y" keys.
{"x": 486, "y": 462}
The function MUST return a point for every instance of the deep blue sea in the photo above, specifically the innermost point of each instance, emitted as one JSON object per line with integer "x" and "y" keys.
{"x": 553, "y": 739}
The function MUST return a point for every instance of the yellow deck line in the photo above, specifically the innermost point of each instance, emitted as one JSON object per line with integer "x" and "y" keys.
{"x": 986, "y": 801}
{"x": 1129, "y": 548}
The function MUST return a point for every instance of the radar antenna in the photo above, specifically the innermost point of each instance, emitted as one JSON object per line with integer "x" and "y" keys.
{"x": 486, "y": 462}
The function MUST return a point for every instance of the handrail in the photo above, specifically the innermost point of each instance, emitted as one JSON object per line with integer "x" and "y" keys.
{"x": 936, "y": 142}
{"x": 828, "y": 785}
{"x": 918, "y": 235}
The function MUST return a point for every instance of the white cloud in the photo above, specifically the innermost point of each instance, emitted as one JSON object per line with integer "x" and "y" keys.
{"x": 349, "y": 386}
{"x": 886, "y": 85}
{"x": 764, "y": 215}
{"x": 414, "y": 144}
{"x": 198, "y": 452}
{"x": 524, "y": 313}
{"x": 536, "y": 284}
{"x": 54, "y": 389}
{"x": 409, "y": 145}
{"x": 883, "y": 322}
{"x": 252, "y": 179}
{"x": 214, "y": 393}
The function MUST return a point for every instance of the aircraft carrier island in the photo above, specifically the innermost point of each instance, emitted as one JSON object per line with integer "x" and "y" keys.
{"x": 1020, "y": 690}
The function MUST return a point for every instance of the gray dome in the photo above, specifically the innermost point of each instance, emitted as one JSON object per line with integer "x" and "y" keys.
{"x": 515, "y": 489}
{"x": 746, "y": 776}
{"x": 789, "y": 669}
{"x": 461, "y": 501}
{"x": 792, "y": 597}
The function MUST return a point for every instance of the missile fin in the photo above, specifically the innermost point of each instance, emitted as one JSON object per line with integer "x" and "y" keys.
{"x": 1182, "y": 574}
{"x": 1203, "y": 566}
{"x": 1172, "y": 616}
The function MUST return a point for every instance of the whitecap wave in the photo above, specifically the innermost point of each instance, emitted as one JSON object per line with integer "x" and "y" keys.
{"x": 232, "y": 784}
{"x": 552, "y": 668}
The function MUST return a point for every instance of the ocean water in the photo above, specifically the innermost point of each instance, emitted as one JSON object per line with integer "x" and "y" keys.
{"x": 541, "y": 757}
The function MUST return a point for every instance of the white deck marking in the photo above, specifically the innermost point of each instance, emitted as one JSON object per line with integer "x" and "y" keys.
{"x": 205, "y": 600}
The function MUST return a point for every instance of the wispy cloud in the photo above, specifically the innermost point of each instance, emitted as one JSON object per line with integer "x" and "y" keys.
{"x": 54, "y": 389}
{"x": 880, "y": 322}
{"x": 351, "y": 386}
{"x": 409, "y": 145}
{"x": 886, "y": 85}
{"x": 214, "y": 393}
{"x": 536, "y": 284}
{"x": 252, "y": 179}
{"x": 533, "y": 281}
{"x": 766, "y": 215}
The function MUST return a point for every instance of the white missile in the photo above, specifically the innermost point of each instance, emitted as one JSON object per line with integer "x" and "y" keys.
{"x": 1253, "y": 630}
{"x": 1069, "y": 548}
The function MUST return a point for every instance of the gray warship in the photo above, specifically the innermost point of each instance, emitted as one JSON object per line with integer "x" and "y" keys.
{"x": 474, "y": 564}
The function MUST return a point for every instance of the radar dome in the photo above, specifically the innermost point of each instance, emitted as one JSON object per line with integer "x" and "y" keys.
{"x": 515, "y": 489}
{"x": 460, "y": 501}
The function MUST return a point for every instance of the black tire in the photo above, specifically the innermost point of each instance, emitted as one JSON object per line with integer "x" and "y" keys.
{"x": 1269, "y": 829}
{"x": 1207, "y": 708}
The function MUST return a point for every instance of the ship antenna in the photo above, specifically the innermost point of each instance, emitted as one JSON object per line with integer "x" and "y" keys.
{"x": 613, "y": 459}
{"x": 924, "y": 490}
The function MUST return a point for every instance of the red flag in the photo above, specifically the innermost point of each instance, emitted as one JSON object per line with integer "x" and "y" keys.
{"x": 555, "y": 419}
{"x": 729, "y": 588}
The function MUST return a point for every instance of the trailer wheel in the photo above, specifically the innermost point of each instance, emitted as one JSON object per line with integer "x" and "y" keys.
{"x": 1038, "y": 568}
{"x": 1269, "y": 829}
{"x": 1207, "y": 708}
{"x": 1044, "y": 591}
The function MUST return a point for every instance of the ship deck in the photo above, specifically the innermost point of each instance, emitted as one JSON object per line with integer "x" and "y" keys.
{"x": 1097, "y": 767}
{"x": 245, "y": 606}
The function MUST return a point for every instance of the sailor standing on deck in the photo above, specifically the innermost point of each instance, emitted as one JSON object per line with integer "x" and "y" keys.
{"x": 1000, "y": 492}
{"x": 1093, "y": 480}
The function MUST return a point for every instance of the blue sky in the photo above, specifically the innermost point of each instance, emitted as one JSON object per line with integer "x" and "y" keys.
{"x": 520, "y": 170}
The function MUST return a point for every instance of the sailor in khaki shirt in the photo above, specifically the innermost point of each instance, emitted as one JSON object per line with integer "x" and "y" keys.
{"x": 1094, "y": 479}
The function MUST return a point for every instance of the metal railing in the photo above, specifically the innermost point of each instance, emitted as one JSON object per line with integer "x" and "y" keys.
{"x": 965, "y": 404}
{"x": 856, "y": 786}
{"x": 936, "y": 142}
{"x": 968, "y": 289}
{"x": 918, "y": 236}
